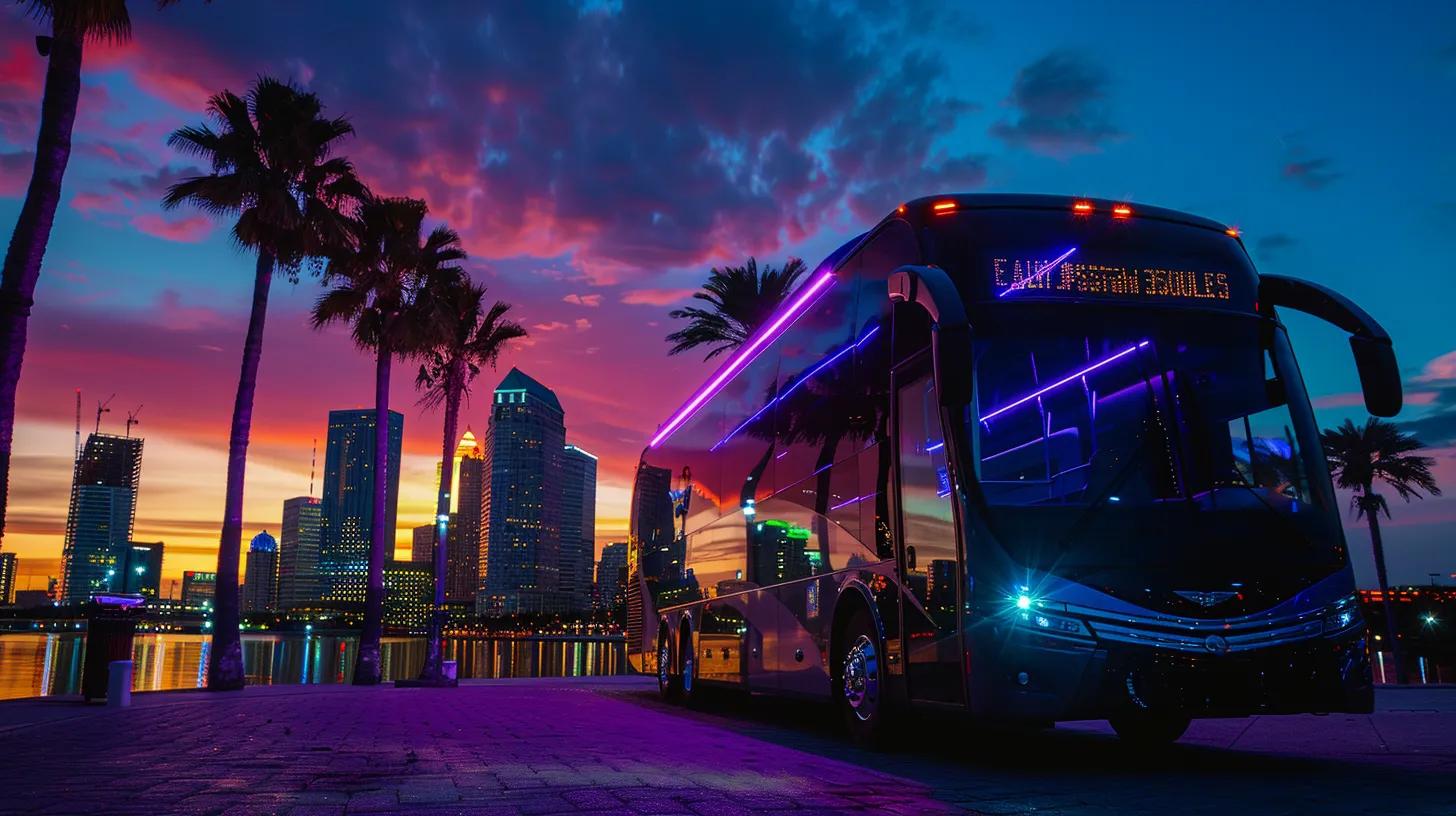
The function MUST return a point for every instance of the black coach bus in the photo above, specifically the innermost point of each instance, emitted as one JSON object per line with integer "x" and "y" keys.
{"x": 1033, "y": 457}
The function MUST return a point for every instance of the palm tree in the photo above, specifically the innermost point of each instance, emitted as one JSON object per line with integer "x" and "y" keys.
{"x": 73, "y": 23}
{"x": 273, "y": 168}
{"x": 742, "y": 299}
{"x": 378, "y": 291}
{"x": 1358, "y": 458}
{"x": 466, "y": 337}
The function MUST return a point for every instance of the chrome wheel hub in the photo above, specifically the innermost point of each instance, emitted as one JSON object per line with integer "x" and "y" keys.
{"x": 663, "y": 668}
{"x": 862, "y": 678}
{"x": 687, "y": 675}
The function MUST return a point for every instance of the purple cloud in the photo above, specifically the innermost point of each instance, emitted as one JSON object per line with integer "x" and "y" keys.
{"x": 1060, "y": 107}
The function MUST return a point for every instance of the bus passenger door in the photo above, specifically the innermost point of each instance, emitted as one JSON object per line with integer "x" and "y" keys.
{"x": 929, "y": 555}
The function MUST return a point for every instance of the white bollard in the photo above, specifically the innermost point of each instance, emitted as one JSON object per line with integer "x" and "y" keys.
{"x": 448, "y": 668}
{"x": 118, "y": 684}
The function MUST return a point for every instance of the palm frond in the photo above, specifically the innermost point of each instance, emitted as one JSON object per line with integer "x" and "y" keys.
{"x": 96, "y": 20}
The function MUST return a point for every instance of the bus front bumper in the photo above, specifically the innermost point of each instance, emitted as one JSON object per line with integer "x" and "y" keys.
{"x": 1023, "y": 675}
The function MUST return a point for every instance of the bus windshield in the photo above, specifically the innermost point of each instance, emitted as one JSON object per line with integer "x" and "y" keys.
{"x": 1163, "y": 438}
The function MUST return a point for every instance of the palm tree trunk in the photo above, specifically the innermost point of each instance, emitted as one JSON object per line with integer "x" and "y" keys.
{"x": 1391, "y": 630}
{"x": 225, "y": 661}
{"x": 33, "y": 231}
{"x": 434, "y": 658}
{"x": 368, "y": 668}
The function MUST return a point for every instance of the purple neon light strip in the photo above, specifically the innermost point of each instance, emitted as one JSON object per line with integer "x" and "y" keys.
{"x": 854, "y": 500}
{"x": 744, "y": 357}
{"x": 807, "y": 377}
{"x": 1024, "y": 282}
{"x": 1069, "y": 378}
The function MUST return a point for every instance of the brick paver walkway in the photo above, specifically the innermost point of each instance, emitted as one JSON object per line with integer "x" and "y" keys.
{"x": 606, "y": 746}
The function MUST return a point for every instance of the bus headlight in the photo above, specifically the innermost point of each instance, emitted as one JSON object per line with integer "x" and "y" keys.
{"x": 1342, "y": 616}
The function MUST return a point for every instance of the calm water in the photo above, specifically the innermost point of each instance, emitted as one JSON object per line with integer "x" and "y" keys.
{"x": 40, "y": 664}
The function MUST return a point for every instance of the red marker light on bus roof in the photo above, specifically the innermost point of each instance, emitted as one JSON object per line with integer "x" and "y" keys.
{"x": 1082, "y": 207}
{"x": 1232, "y": 232}
{"x": 900, "y": 209}
{"x": 943, "y": 207}
{"x": 1121, "y": 211}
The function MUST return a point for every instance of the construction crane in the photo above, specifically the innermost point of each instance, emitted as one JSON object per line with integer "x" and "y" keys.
{"x": 101, "y": 408}
{"x": 131, "y": 419}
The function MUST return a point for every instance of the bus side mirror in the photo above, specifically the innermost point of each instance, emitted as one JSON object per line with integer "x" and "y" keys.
{"x": 1379, "y": 375}
{"x": 930, "y": 288}
{"x": 1374, "y": 355}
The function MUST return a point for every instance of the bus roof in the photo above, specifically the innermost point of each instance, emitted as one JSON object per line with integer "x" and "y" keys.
{"x": 916, "y": 212}
{"x": 926, "y": 207}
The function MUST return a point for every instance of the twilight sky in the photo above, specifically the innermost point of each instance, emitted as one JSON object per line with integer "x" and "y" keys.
{"x": 598, "y": 157}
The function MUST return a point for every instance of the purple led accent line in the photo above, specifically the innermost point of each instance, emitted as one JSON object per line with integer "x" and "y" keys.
{"x": 1069, "y": 378}
{"x": 807, "y": 377}
{"x": 744, "y": 357}
{"x": 1022, "y": 284}
{"x": 854, "y": 500}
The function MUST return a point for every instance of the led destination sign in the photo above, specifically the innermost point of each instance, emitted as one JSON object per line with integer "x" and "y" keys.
{"x": 1068, "y": 275}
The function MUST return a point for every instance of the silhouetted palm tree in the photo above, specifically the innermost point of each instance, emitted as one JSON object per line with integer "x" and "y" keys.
{"x": 1358, "y": 458}
{"x": 73, "y": 23}
{"x": 273, "y": 168}
{"x": 377, "y": 289}
{"x": 742, "y": 299}
{"x": 464, "y": 337}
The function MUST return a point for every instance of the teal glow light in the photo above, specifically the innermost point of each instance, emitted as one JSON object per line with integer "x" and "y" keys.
{"x": 1023, "y": 602}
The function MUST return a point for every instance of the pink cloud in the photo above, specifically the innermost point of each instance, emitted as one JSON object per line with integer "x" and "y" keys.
{"x": 656, "y": 297}
{"x": 86, "y": 203}
{"x": 584, "y": 300}
{"x": 15, "y": 172}
{"x": 188, "y": 230}
{"x": 1441, "y": 368}
{"x": 1353, "y": 399}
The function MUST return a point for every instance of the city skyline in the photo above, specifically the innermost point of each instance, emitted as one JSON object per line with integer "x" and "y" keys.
{"x": 594, "y": 272}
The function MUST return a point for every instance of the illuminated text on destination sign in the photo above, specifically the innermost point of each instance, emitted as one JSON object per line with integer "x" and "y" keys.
{"x": 1046, "y": 277}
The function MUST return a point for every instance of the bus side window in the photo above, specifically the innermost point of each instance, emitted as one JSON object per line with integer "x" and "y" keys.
{"x": 816, "y": 383}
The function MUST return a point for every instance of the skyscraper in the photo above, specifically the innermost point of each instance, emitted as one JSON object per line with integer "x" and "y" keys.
{"x": 578, "y": 525}
{"x": 260, "y": 582}
{"x": 298, "y": 552}
{"x": 653, "y": 524}
{"x": 142, "y": 571}
{"x": 102, "y": 512}
{"x": 7, "y": 578}
{"x": 422, "y": 544}
{"x": 347, "y": 518}
{"x": 462, "y": 556}
{"x": 409, "y": 590}
{"x": 522, "y": 499}
{"x": 198, "y": 588}
{"x": 611, "y": 586}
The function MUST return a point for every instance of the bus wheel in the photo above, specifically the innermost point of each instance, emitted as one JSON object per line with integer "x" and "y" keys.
{"x": 861, "y": 678}
{"x": 667, "y": 687}
{"x": 688, "y": 677}
{"x": 1147, "y": 729}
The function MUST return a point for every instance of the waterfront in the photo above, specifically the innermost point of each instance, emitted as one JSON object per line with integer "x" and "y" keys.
{"x": 33, "y": 665}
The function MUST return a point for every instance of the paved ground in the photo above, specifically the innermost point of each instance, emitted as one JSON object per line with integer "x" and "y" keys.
{"x": 606, "y": 746}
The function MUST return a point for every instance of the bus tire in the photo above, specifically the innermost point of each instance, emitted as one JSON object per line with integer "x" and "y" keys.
{"x": 859, "y": 691}
{"x": 667, "y": 687}
{"x": 687, "y": 682}
{"x": 1147, "y": 729}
